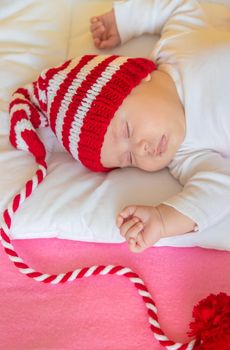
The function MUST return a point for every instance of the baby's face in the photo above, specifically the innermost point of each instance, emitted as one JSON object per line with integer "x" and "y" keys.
{"x": 146, "y": 130}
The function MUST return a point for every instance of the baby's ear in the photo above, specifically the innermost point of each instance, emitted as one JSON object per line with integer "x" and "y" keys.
{"x": 147, "y": 78}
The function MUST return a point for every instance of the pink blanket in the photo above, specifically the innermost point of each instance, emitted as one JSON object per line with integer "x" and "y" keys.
{"x": 103, "y": 312}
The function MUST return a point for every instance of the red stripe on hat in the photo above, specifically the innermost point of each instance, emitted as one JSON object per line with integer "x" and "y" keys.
{"x": 81, "y": 94}
{"x": 52, "y": 71}
{"x": 117, "y": 88}
{"x": 43, "y": 82}
{"x": 16, "y": 117}
{"x": 17, "y": 101}
{"x": 35, "y": 145}
{"x": 34, "y": 116}
{"x": 16, "y": 202}
{"x": 7, "y": 218}
{"x": 24, "y": 92}
{"x": 42, "y": 104}
{"x": 63, "y": 88}
{"x": 48, "y": 74}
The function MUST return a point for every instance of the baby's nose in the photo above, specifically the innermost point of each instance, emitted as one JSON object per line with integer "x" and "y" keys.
{"x": 145, "y": 148}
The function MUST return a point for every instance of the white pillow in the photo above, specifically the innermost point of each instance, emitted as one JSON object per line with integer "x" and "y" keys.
{"x": 72, "y": 202}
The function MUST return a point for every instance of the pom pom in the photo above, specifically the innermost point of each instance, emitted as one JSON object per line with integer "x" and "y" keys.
{"x": 211, "y": 326}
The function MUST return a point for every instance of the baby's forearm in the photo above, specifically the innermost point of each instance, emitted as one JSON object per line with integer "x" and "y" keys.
{"x": 174, "y": 222}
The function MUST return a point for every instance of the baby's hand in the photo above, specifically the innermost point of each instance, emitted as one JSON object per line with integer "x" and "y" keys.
{"x": 104, "y": 31}
{"x": 141, "y": 226}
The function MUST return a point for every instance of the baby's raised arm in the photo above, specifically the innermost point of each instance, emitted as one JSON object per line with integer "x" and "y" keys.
{"x": 133, "y": 18}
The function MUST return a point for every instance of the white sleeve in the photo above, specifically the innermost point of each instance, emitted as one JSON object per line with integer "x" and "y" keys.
{"x": 136, "y": 17}
{"x": 205, "y": 197}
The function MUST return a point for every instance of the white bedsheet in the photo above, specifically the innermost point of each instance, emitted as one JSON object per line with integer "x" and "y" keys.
{"x": 72, "y": 202}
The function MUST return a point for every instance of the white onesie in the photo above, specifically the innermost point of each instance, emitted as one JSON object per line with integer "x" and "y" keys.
{"x": 197, "y": 57}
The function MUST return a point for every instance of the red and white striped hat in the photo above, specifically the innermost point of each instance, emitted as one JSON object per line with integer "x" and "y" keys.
{"x": 77, "y": 100}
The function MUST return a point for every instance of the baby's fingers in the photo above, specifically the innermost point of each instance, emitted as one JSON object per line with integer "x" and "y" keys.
{"x": 137, "y": 245}
{"x": 126, "y": 213}
{"x": 94, "y": 19}
{"x": 97, "y": 29}
{"x": 131, "y": 228}
{"x": 108, "y": 43}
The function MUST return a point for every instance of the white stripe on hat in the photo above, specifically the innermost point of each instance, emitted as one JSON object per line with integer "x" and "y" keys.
{"x": 86, "y": 103}
{"x": 20, "y": 126}
{"x": 57, "y": 80}
{"x": 67, "y": 98}
{"x": 41, "y": 95}
{"x": 24, "y": 106}
{"x": 34, "y": 100}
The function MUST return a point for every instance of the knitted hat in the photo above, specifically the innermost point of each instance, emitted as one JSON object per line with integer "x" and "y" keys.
{"x": 77, "y": 100}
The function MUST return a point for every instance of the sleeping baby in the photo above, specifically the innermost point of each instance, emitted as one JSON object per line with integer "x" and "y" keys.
{"x": 169, "y": 110}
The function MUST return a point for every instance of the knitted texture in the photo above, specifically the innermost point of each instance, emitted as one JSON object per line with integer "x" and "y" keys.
{"x": 77, "y": 100}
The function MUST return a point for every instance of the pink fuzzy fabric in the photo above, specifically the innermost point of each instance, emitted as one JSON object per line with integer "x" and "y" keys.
{"x": 103, "y": 312}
